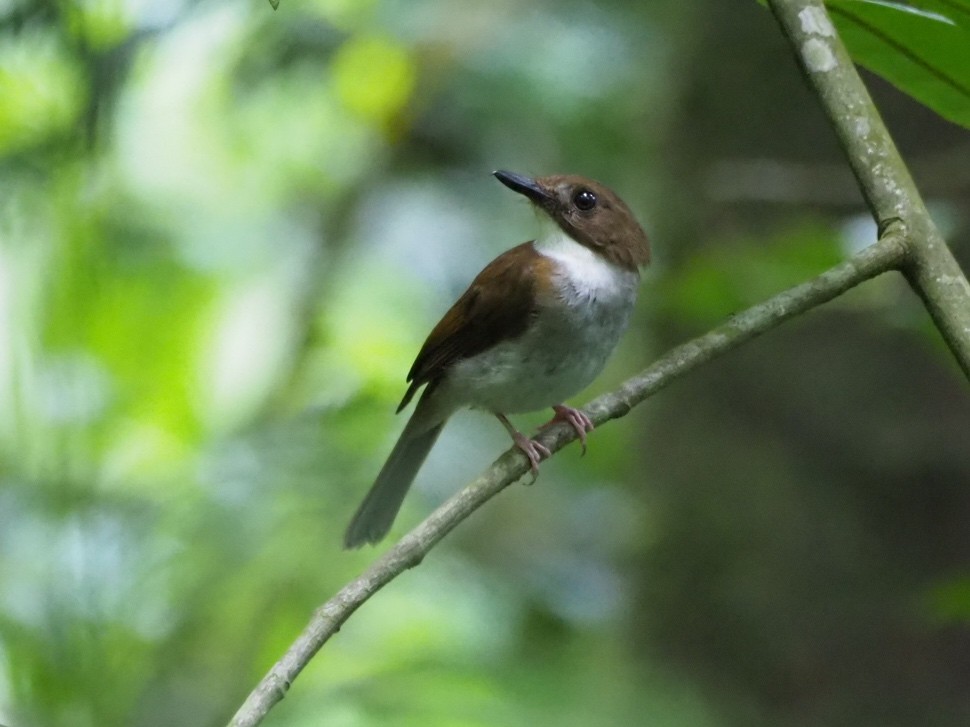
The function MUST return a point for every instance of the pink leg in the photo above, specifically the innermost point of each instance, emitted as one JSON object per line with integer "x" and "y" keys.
{"x": 575, "y": 418}
{"x": 533, "y": 450}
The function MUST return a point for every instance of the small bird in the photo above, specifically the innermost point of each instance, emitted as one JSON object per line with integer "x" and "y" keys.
{"x": 537, "y": 325}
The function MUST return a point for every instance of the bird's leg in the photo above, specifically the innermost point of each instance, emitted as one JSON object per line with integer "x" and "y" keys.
{"x": 576, "y": 418}
{"x": 533, "y": 450}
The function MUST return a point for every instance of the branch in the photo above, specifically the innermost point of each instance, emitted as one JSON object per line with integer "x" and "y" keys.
{"x": 910, "y": 242}
{"x": 889, "y": 253}
{"x": 883, "y": 177}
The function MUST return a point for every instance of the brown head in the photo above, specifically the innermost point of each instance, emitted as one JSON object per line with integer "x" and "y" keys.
{"x": 589, "y": 212}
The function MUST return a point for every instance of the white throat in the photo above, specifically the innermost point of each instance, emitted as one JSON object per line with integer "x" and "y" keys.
{"x": 586, "y": 270}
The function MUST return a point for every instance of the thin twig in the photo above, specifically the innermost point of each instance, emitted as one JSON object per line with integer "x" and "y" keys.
{"x": 409, "y": 551}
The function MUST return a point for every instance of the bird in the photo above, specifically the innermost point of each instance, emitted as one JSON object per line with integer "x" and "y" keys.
{"x": 535, "y": 326}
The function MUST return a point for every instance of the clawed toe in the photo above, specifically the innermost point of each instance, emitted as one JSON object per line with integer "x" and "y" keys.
{"x": 532, "y": 449}
{"x": 576, "y": 418}
{"x": 535, "y": 451}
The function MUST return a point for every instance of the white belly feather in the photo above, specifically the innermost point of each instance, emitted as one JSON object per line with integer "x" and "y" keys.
{"x": 566, "y": 346}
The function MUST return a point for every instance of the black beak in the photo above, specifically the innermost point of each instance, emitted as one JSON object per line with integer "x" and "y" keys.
{"x": 525, "y": 185}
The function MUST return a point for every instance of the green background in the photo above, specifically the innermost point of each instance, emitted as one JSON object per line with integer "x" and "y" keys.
{"x": 224, "y": 233}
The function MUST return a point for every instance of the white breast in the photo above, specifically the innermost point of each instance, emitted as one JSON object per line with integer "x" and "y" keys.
{"x": 567, "y": 344}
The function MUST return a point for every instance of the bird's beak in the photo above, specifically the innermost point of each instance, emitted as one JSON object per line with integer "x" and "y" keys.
{"x": 525, "y": 185}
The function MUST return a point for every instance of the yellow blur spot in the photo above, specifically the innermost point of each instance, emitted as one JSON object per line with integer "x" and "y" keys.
{"x": 40, "y": 90}
{"x": 374, "y": 78}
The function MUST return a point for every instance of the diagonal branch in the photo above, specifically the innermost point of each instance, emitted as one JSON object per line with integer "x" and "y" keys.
{"x": 881, "y": 173}
{"x": 887, "y": 254}
{"x": 910, "y": 242}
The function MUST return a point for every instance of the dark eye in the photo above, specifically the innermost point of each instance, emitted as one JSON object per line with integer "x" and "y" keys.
{"x": 585, "y": 200}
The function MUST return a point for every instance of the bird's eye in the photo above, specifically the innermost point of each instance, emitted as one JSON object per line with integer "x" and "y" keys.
{"x": 584, "y": 200}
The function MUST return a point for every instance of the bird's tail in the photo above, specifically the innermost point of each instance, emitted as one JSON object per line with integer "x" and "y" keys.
{"x": 377, "y": 512}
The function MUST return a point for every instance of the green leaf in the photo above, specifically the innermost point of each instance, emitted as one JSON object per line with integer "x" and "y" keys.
{"x": 921, "y": 47}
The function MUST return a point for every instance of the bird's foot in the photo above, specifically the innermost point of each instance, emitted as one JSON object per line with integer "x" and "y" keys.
{"x": 533, "y": 450}
{"x": 575, "y": 418}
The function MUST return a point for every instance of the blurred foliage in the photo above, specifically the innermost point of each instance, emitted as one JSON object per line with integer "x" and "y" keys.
{"x": 224, "y": 232}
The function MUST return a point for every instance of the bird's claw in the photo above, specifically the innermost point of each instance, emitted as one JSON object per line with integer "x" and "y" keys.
{"x": 576, "y": 418}
{"x": 532, "y": 449}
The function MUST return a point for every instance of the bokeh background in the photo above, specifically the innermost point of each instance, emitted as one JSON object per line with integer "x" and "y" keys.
{"x": 224, "y": 233}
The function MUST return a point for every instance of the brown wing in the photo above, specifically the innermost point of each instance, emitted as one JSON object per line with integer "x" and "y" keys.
{"x": 497, "y": 306}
